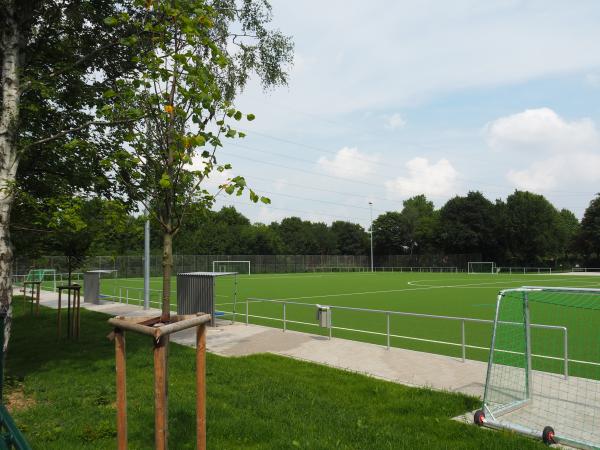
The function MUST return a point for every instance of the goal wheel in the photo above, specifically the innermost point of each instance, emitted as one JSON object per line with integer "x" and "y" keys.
{"x": 479, "y": 417}
{"x": 548, "y": 435}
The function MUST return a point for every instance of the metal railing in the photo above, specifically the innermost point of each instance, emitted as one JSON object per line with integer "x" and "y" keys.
{"x": 388, "y": 335}
{"x": 383, "y": 269}
{"x": 134, "y": 295}
{"x": 523, "y": 270}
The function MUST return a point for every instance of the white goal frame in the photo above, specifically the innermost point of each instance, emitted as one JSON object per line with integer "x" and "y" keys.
{"x": 215, "y": 263}
{"x": 493, "y": 268}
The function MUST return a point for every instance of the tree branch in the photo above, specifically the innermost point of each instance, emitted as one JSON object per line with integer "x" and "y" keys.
{"x": 87, "y": 124}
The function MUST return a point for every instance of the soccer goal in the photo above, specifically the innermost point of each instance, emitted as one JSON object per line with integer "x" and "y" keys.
{"x": 481, "y": 267}
{"x": 47, "y": 278}
{"x": 242, "y": 267}
{"x": 543, "y": 375}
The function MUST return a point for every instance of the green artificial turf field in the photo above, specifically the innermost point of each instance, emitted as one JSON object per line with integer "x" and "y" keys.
{"x": 447, "y": 294}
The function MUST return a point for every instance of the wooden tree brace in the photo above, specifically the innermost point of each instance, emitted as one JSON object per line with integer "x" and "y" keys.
{"x": 160, "y": 333}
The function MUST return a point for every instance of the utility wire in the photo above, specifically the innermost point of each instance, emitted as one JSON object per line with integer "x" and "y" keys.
{"x": 358, "y": 219}
{"x": 388, "y": 166}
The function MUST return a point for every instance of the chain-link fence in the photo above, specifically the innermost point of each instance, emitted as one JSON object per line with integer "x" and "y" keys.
{"x": 131, "y": 266}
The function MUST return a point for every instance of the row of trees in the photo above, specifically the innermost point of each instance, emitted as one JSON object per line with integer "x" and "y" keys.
{"x": 525, "y": 229}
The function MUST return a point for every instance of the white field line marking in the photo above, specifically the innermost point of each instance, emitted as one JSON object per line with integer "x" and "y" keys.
{"x": 477, "y": 285}
{"x": 419, "y": 288}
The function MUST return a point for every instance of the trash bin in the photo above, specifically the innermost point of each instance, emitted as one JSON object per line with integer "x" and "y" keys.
{"x": 324, "y": 316}
{"x": 196, "y": 292}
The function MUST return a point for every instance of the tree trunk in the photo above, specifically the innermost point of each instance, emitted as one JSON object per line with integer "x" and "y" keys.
{"x": 9, "y": 118}
{"x": 167, "y": 263}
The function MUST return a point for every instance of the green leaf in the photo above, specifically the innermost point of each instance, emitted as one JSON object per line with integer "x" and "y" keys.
{"x": 265, "y": 200}
{"x": 109, "y": 94}
{"x": 165, "y": 181}
{"x": 237, "y": 115}
{"x": 111, "y": 21}
{"x": 250, "y": 117}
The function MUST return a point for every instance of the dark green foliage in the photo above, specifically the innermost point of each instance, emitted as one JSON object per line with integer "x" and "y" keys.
{"x": 410, "y": 231}
{"x": 589, "y": 239}
{"x": 469, "y": 225}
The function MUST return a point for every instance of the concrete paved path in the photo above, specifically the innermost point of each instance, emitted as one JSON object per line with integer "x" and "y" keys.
{"x": 398, "y": 365}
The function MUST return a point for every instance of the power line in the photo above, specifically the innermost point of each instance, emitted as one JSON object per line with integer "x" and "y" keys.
{"x": 312, "y": 188}
{"x": 403, "y": 169}
{"x": 308, "y": 171}
{"x": 315, "y": 200}
{"x": 357, "y": 219}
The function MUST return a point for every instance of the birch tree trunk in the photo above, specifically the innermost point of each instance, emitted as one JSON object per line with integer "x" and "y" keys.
{"x": 9, "y": 117}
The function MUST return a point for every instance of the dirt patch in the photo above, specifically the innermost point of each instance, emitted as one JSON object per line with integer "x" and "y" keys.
{"x": 16, "y": 400}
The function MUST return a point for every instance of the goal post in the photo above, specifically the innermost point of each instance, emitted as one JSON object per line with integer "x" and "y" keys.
{"x": 47, "y": 278}
{"x": 481, "y": 267}
{"x": 241, "y": 267}
{"x": 543, "y": 375}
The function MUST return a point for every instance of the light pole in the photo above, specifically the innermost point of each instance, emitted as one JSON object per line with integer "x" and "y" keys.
{"x": 371, "y": 209}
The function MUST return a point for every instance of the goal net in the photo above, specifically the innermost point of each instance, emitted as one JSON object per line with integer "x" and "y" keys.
{"x": 481, "y": 267}
{"x": 242, "y": 267}
{"x": 47, "y": 278}
{"x": 543, "y": 376}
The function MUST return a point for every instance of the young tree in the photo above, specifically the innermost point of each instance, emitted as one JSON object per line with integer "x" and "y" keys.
{"x": 194, "y": 57}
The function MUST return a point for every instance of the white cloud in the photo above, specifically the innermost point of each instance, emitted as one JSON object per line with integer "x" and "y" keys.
{"x": 394, "y": 122}
{"x": 557, "y": 171}
{"x": 435, "y": 180}
{"x": 572, "y": 147}
{"x": 541, "y": 129}
{"x": 349, "y": 163}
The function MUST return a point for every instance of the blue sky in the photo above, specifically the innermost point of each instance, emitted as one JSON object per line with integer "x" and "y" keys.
{"x": 388, "y": 99}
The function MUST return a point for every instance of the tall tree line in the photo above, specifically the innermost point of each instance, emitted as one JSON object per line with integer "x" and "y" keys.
{"x": 524, "y": 229}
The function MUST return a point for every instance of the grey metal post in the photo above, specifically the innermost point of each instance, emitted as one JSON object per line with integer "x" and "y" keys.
{"x": 371, "y": 210}
{"x": 330, "y": 321}
{"x": 388, "y": 330}
{"x": 527, "y": 344}
{"x": 246, "y": 311}
{"x": 147, "y": 264}
{"x": 284, "y": 322}
{"x": 464, "y": 350}
{"x": 566, "y": 340}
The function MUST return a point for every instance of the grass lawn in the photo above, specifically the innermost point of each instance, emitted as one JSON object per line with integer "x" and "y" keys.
{"x": 449, "y": 294}
{"x": 62, "y": 396}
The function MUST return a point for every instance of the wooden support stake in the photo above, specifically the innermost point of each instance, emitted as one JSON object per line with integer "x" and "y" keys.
{"x": 161, "y": 394}
{"x": 121, "y": 389}
{"x": 77, "y": 323}
{"x": 59, "y": 302}
{"x": 201, "y": 387}
{"x": 69, "y": 322}
{"x": 37, "y": 305}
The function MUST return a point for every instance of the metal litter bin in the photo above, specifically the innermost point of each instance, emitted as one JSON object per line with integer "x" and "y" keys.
{"x": 196, "y": 292}
{"x": 324, "y": 316}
